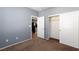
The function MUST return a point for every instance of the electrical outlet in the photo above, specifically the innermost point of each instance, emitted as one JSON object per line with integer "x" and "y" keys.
{"x": 7, "y": 40}
{"x": 17, "y": 38}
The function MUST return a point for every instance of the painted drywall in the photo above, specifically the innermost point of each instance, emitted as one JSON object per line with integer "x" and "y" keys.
{"x": 52, "y": 11}
{"x": 14, "y": 24}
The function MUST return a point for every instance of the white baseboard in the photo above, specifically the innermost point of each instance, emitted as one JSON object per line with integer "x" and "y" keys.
{"x": 14, "y": 44}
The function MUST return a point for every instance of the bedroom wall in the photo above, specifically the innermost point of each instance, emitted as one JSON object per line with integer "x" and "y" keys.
{"x": 14, "y": 25}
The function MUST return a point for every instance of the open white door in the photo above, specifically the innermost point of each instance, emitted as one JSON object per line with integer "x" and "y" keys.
{"x": 40, "y": 27}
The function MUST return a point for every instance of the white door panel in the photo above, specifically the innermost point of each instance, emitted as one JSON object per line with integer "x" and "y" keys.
{"x": 66, "y": 27}
{"x": 69, "y": 29}
{"x": 76, "y": 30}
{"x": 40, "y": 27}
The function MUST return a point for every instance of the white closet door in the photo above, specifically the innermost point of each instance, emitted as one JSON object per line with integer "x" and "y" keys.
{"x": 66, "y": 27}
{"x": 40, "y": 27}
{"x": 69, "y": 29}
{"x": 76, "y": 30}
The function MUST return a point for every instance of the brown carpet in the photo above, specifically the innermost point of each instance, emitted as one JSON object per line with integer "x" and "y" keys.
{"x": 38, "y": 44}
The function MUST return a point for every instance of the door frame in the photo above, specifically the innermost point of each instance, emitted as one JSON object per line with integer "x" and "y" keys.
{"x": 31, "y": 23}
{"x": 58, "y": 25}
{"x": 48, "y": 24}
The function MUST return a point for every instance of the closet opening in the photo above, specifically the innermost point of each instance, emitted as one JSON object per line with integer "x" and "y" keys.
{"x": 54, "y": 27}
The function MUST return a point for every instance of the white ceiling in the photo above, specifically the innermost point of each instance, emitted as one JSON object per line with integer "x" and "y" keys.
{"x": 39, "y": 8}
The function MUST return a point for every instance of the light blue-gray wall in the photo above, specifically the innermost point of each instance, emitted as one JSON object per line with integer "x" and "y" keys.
{"x": 14, "y": 22}
{"x": 51, "y": 11}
